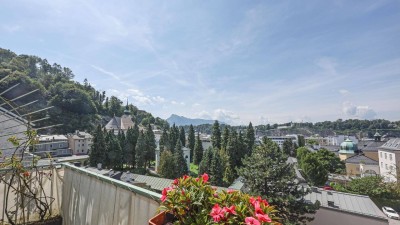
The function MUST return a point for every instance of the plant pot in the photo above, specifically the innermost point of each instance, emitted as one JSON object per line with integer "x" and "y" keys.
{"x": 162, "y": 218}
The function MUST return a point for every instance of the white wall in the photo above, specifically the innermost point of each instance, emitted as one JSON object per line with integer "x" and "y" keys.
{"x": 387, "y": 165}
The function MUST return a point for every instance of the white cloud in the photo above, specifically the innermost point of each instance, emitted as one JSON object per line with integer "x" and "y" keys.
{"x": 136, "y": 97}
{"x": 111, "y": 74}
{"x": 327, "y": 64}
{"x": 358, "y": 112}
{"x": 177, "y": 103}
{"x": 344, "y": 92}
{"x": 222, "y": 115}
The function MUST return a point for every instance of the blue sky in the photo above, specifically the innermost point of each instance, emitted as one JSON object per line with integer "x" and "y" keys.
{"x": 236, "y": 61}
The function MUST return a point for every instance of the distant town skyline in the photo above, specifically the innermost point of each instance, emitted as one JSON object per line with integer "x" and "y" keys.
{"x": 233, "y": 61}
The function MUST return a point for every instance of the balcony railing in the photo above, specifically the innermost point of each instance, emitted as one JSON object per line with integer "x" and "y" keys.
{"x": 84, "y": 197}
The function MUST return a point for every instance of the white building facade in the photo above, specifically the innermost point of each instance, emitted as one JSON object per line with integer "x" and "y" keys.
{"x": 389, "y": 159}
{"x": 80, "y": 142}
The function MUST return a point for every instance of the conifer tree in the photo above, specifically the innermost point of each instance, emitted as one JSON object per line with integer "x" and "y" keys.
{"x": 173, "y": 137}
{"x": 287, "y": 147}
{"x": 140, "y": 156}
{"x": 182, "y": 136}
{"x": 216, "y": 169}
{"x": 225, "y": 138}
{"x": 164, "y": 141}
{"x": 250, "y": 138}
{"x": 266, "y": 173}
{"x": 166, "y": 168}
{"x": 241, "y": 149}
{"x": 191, "y": 141}
{"x": 233, "y": 151}
{"x": 216, "y": 136}
{"x": 97, "y": 152}
{"x": 181, "y": 167}
{"x": 205, "y": 164}
{"x": 150, "y": 145}
{"x": 198, "y": 151}
{"x": 115, "y": 152}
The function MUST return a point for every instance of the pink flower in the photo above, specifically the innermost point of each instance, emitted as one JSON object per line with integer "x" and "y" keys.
{"x": 263, "y": 218}
{"x": 165, "y": 192}
{"x": 217, "y": 213}
{"x": 230, "y": 191}
{"x": 257, "y": 207}
{"x": 230, "y": 210}
{"x": 176, "y": 182}
{"x": 185, "y": 177}
{"x": 251, "y": 221}
{"x": 205, "y": 177}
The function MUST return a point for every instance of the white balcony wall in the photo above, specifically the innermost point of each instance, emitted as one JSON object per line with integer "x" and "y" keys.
{"x": 93, "y": 199}
{"x": 26, "y": 210}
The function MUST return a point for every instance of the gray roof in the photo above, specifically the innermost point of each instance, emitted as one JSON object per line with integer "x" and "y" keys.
{"x": 120, "y": 123}
{"x": 155, "y": 183}
{"x": 370, "y": 146}
{"x": 237, "y": 184}
{"x": 392, "y": 144}
{"x": 351, "y": 203}
{"x": 357, "y": 159}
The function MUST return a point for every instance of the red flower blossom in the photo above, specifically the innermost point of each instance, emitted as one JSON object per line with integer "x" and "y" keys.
{"x": 251, "y": 221}
{"x": 26, "y": 174}
{"x": 230, "y": 210}
{"x": 205, "y": 177}
{"x": 230, "y": 191}
{"x": 185, "y": 177}
{"x": 165, "y": 192}
{"x": 263, "y": 218}
{"x": 217, "y": 213}
{"x": 176, "y": 182}
{"x": 257, "y": 207}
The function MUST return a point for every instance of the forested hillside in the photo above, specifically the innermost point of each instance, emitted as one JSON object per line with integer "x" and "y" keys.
{"x": 77, "y": 106}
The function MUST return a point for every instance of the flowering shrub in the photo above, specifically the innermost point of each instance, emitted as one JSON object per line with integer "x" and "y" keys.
{"x": 195, "y": 201}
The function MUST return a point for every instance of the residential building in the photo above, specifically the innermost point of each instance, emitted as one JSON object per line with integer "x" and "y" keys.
{"x": 280, "y": 139}
{"x": 344, "y": 208}
{"x": 389, "y": 159}
{"x": 361, "y": 166}
{"x": 52, "y": 145}
{"x": 80, "y": 142}
{"x": 370, "y": 147}
{"x": 122, "y": 123}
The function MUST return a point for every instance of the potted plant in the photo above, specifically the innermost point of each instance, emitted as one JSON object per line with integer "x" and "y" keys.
{"x": 194, "y": 201}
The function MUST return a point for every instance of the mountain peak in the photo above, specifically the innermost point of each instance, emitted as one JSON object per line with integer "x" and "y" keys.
{"x": 182, "y": 121}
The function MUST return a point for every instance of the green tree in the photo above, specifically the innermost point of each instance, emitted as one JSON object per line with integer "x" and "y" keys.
{"x": 225, "y": 138}
{"x": 97, "y": 152}
{"x": 140, "y": 156}
{"x": 330, "y": 161}
{"x": 216, "y": 169}
{"x": 166, "y": 168}
{"x": 266, "y": 173}
{"x": 164, "y": 140}
{"x": 182, "y": 136}
{"x": 314, "y": 170}
{"x": 115, "y": 106}
{"x": 205, "y": 164}
{"x": 150, "y": 145}
{"x": 250, "y": 138}
{"x": 302, "y": 141}
{"x": 198, "y": 151}
{"x": 181, "y": 167}
{"x": 287, "y": 147}
{"x": 216, "y": 136}
{"x": 191, "y": 141}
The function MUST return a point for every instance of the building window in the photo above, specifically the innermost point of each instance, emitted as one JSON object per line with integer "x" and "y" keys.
{"x": 51, "y": 146}
{"x": 381, "y": 154}
{"x": 79, "y": 145}
{"x": 382, "y": 164}
{"x": 390, "y": 157}
{"x": 385, "y": 155}
{"x": 60, "y": 145}
{"x": 386, "y": 166}
{"x": 83, "y": 145}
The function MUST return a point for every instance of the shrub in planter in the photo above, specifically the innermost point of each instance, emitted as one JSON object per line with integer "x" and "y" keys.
{"x": 194, "y": 201}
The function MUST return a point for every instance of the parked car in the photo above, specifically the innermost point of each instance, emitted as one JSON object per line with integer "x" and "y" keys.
{"x": 328, "y": 188}
{"x": 390, "y": 212}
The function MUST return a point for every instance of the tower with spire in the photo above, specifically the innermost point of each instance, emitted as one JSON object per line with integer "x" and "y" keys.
{"x": 122, "y": 123}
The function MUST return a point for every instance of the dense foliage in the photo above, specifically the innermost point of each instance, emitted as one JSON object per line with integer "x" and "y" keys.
{"x": 267, "y": 173}
{"x": 77, "y": 106}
